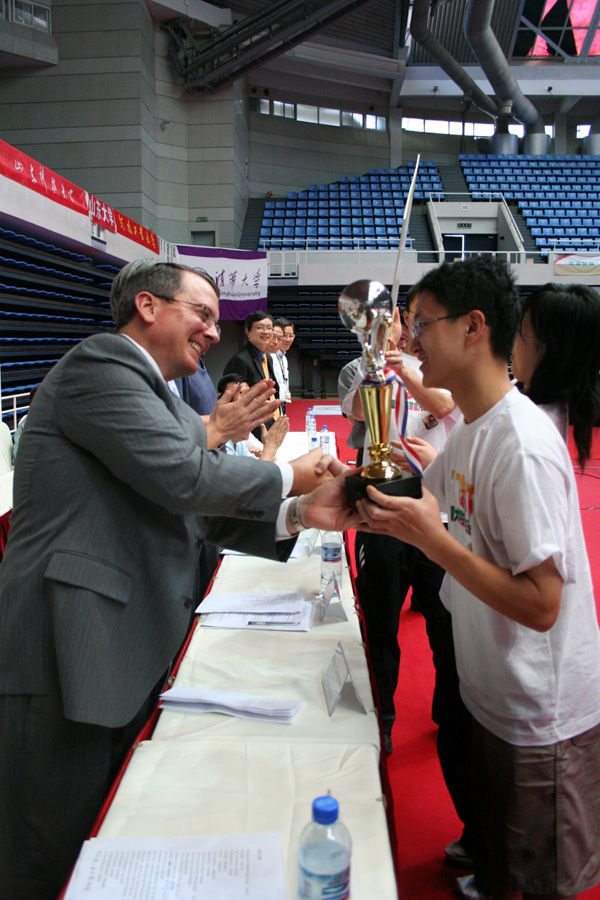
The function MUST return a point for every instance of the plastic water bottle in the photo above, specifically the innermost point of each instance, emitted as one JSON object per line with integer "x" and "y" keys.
{"x": 331, "y": 559}
{"x": 307, "y": 422}
{"x": 324, "y": 439}
{"x": 324, "y": 854}
{"x": 312, "y": 431}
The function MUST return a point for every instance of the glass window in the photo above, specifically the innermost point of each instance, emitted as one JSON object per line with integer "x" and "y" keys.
{"x": 381, "y": 123}
{"x": 23, "y": 13}
{"x": 455, "y": 128}
{"x": 352, "y": 120}
{"x": 3, "y": 9}
{"x": 583, "y": 130}
{"x": 516, "y": 128}
{"x": 435, "y": 126}
{"x": 264, "y": 107}
{"x": 283, "y": 109}
{"x": 41, "y": 18}
{"x": 413, "y": 124}
{"x": 481, "y": 129}
{"x": 306, "y": 113}
{"x": 549, "y": 129}
{"x": 329, "y": 116}
{"x": 564, "y": 29}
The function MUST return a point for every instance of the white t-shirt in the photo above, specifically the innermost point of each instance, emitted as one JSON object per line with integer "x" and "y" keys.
{"x": 508, "y": 485}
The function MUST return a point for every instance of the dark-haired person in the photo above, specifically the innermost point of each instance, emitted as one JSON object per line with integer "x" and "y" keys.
{"x": 556, "y": 358}
{"x": 253, "y": 361}
{"x": 282, "y": 370}
{"x": 271, "y": 438}
{"x": 518, "y": 586}
{"x": 114, "y": 485}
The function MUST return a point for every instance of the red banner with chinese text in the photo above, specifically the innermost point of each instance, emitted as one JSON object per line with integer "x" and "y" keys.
{"x": 102, "y": 213}
{"x": 21, "y": 168}
{"x": 26, "y": 171}
{"x": 135, "y": 232}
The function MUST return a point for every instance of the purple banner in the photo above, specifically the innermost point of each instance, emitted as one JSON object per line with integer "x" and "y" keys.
{"x": 240, "y": 274}
{"x": 237, "y": 310}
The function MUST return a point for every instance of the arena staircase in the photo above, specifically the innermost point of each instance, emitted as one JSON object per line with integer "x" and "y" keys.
{"x": 252, "y": 223}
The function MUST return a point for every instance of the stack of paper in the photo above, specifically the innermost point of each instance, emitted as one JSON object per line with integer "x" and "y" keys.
{"x": 180, "y": 868}
{"x": 246, "y": 706}
{"x": 277, "y": 612}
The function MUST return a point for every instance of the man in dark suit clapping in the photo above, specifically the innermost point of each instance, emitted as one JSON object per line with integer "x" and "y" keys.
{"x": 253, "y": 361}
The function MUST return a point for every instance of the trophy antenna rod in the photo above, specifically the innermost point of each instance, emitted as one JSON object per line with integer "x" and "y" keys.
{"x": 403, "y": 236}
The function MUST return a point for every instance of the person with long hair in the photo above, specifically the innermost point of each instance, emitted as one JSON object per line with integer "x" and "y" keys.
{"x": 556, "y": 358}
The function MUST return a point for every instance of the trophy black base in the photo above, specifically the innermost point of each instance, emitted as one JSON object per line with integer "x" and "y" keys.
{"x": 407, "y": 485}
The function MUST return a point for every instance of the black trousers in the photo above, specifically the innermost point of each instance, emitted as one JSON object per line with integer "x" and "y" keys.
{"x": 387, "y": 568}
{"x": 54, "y": 776}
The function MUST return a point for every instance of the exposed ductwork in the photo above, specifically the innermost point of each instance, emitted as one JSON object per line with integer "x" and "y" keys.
{"x": 420, "y": 31}
{"x": 483, "y": 42}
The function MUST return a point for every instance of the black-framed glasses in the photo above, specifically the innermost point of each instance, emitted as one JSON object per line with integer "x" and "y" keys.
{"x": 206, "y": 315}
{"x": 417, "y": 326}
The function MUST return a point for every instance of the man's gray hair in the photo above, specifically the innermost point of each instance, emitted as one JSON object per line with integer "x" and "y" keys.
{"x": 163, "y": 279}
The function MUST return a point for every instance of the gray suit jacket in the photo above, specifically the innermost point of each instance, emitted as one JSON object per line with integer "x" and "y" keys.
{"x": 113, "y": 489}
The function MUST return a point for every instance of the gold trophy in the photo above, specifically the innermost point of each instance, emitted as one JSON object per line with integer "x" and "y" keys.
{"x": 366, "y": 308}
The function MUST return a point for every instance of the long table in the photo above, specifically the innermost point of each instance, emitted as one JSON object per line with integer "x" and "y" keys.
{"x": 211, "y": 773}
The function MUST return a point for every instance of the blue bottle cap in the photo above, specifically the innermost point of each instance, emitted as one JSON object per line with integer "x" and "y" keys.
{"x": 325, "y": 810}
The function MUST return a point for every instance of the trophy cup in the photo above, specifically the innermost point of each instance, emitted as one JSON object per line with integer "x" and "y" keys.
{"x": 366, "y": 308}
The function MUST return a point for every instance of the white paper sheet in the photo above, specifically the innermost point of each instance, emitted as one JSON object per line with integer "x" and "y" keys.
{"x": 246, "y": 706}
{"x": 202, "y": 867}
{"x": 300, "y": 621}
{"x": 252, "y": 603}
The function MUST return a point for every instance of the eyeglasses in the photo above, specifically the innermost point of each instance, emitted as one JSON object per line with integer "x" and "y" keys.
{"x": 267, "y": 329}
{"x": 288, "y": 337}
{"x": 417, "y": 326}
{"x": 203, "y": 312}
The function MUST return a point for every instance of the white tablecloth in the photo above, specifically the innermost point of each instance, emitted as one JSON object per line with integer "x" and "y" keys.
{"x": 231, "y": 787}
{"x": 276, "y": 663}
{"x": 211, "y": 773}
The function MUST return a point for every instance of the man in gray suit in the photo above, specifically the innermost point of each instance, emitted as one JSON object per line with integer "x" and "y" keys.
{"x": 114, "y": 486}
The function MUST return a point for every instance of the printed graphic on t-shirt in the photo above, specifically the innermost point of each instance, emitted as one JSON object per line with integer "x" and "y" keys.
{"x": 412, "y": 404}
{"x": 461, "y": 511}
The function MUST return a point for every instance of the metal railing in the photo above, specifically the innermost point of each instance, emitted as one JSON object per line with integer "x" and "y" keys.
{"x": 12, "y": 407}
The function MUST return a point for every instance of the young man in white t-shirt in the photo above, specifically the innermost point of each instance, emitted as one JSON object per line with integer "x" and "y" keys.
{"x": 518, "y": 586}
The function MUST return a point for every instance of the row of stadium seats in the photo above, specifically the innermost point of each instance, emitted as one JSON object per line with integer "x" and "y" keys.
{"x": 51, "y": 298}
{"x": 356, "y": 211}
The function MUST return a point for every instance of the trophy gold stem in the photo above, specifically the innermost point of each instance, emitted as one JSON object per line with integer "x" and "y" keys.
{"x": 377, "y": 407}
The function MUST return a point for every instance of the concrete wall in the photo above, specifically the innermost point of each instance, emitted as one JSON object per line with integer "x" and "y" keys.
{"x": 115, "y": 121}
{"x": 286, "y": 155}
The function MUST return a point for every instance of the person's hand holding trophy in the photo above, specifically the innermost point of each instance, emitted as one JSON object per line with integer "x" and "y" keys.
{"x": 366, "y": 308}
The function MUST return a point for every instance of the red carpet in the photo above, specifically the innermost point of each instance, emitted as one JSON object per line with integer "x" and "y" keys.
{"x": 424, "y": 815}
